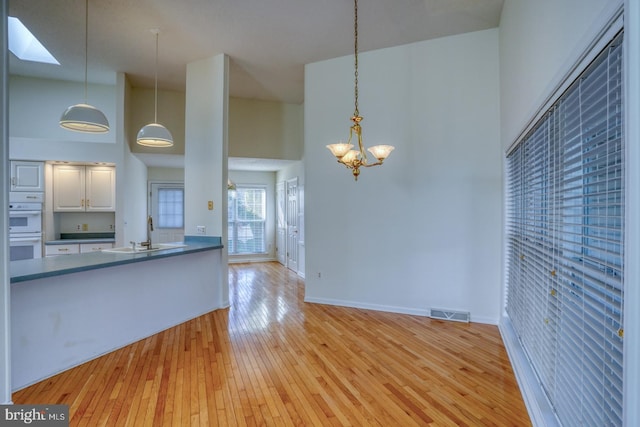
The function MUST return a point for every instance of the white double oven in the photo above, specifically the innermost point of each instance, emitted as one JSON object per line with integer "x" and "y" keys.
{"x": 25, "y": 225}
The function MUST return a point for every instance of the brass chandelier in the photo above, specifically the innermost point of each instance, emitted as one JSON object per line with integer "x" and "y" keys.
{"x": 355, "y": 159}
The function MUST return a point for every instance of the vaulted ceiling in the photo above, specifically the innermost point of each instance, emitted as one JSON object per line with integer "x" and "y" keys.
{"x": 268, "y": 41}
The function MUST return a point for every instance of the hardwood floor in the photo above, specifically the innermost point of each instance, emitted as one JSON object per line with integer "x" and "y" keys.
{"x": 273, "y": 360}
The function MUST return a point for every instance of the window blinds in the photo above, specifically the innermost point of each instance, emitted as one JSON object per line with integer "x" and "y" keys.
{"x": 170, "y": 208}
{"x": 247, "y": 209}
{"x": 565, "y": 219}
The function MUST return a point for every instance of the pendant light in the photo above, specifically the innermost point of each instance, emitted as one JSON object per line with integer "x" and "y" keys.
{"x": 356, "y": 159}
{"x": 84, "y": 117}
{"x": 154, "y": 134}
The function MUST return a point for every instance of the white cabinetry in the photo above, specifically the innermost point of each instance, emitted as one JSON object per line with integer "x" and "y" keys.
{"x": 75, "y": 248}
{"x": 27, "y": 176}
{"x": 84, "y": 188}
{"x": 69, "y": 249}
{"x": 94, "y": 247}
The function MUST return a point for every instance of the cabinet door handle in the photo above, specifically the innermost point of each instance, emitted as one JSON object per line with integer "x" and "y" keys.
{"x": 63, "y": 250}
{"x": 13, "y": 180}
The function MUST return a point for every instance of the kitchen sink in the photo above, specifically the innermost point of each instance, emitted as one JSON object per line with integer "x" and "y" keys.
{"x": 142, "y": 249}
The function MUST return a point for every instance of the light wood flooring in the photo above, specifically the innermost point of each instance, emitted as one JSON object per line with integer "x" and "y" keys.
{"x": 273, "y": 360}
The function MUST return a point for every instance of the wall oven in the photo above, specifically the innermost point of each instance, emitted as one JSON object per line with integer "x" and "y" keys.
{"x": 25, "y": 228}
{"x": 25, "y": 218}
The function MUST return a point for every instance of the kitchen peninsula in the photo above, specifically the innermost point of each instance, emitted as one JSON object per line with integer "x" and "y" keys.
{"x": 67, "y": 310}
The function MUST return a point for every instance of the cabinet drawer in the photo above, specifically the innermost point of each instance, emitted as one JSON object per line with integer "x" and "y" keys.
{"x": 53, "y": 250}
{"x": 94, "y": 247}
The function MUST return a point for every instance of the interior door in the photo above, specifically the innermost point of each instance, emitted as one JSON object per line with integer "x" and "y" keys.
{"x": 281, "y": 225}
{"x": 166, "y": 205}
{"x": 292, "y": 224}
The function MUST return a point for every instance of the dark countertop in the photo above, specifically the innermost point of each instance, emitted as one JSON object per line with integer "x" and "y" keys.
{"x": 76, "y": 241}
{"x": 74, "y": 238}
{"x": 31, "y": 269}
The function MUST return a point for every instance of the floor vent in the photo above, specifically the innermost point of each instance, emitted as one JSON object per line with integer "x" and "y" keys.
{"x": 456, "y": 316}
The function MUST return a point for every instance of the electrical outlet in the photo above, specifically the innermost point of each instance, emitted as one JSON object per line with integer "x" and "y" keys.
{"x": 201, "y": 229}
{"x": 78, "y": 227}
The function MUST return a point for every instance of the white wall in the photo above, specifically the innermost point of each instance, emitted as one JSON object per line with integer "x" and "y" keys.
{"x": 268, "y": 179}
{"x": 37, "y": 104}
{"x": 265, "y": 129}
{"x": 425, "y": 229}
{"x": 539, "y": 41}
{"x": 165, "y": 174}
{"x": 171, "y": 106}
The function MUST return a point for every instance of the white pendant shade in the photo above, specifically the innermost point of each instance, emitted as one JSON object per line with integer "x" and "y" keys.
{"x": 84, "y": 118}
{"x": 155, "y": 135}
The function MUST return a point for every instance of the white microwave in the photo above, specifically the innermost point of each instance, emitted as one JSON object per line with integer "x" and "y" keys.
{"x": 25, "y": 218}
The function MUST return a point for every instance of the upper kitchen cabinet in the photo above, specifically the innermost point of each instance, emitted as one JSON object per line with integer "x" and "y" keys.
{"x": 27, "y": 176}
{"x": 84, "y": 188}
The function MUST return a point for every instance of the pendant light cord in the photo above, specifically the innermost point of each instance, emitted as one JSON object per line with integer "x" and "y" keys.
{"x": 86, "y": 46}
{"x": 155, "y": 115}
{"x": 355, "y": 33}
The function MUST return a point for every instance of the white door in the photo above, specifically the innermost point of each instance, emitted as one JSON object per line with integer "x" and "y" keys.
{"x": 281, "y": 225}
{"x": 292, "y": 224}
{"x": 166, "y": 201}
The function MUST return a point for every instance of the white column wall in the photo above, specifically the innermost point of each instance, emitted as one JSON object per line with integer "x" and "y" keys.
{"x": 5, "y": 297}
{"x": 206, "y": 148}
{"x": 425, "y": 229}
{"x": 632, "y": 242}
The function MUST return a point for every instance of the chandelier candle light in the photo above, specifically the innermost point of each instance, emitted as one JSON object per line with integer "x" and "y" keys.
{"x": 355, "y": 159}
{"x": 154, "y": 134}
{"x": 84, "y": 117}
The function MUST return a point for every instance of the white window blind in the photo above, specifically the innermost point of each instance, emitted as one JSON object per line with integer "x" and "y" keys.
{"x": 565, "y": 220}
{"x": 247, "y": 220}
{"x": 170, "y": 208}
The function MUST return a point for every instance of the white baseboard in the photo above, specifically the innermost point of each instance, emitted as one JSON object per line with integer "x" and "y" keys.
{"x": 388, "y": 308}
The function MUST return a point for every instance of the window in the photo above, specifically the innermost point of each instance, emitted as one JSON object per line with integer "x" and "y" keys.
{"x": 247, "y": 218}
{"x": 170, "y": 208}
{"x": 565, "y": 247}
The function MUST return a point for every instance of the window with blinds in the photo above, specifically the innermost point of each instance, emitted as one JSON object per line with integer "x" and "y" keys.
{"x": 170, "y": 208}
{"x": 247, "y": 220}
{"x": 565, "y": 229}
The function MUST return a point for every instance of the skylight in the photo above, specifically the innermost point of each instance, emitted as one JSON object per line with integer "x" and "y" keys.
{"x": 25, "y": 45}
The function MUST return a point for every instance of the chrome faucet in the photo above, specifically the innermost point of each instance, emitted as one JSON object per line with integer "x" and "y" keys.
{"x": 147, "y": 244}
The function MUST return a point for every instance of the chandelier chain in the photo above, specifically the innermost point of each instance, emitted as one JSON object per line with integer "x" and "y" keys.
{"x": 355, "y": 33}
